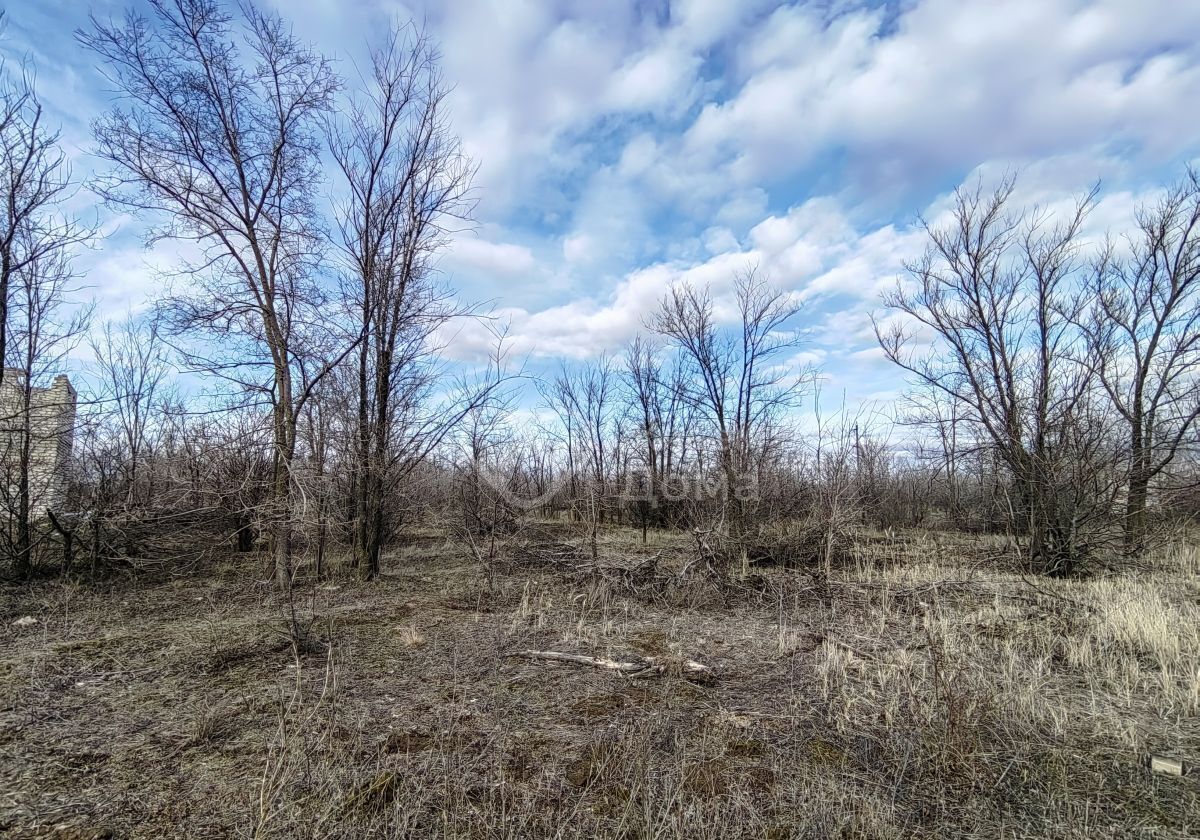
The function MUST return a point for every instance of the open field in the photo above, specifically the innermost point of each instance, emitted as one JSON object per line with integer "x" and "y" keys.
{"x": 918, "y": 693}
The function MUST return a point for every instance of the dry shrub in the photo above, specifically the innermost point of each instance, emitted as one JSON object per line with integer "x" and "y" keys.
{"x": 208, "y": 724}
{"x": 813, "y": 545}
{"x": 410, "y": 636}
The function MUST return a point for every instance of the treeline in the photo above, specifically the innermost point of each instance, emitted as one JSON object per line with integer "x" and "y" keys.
{"x": 219, "y": 134}
{"x": 1055, "y": 378}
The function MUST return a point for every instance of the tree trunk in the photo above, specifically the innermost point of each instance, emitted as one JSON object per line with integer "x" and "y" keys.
{"x": 1136, "y": 520}
{"x": 245, "y": 537}
{"x": 322, "y": 509}
{"x": 373, "y": 532}
{"x": 360, "y": 488}
{"x": 283, "y": 557}
{"x": 68, "y": 551}
{"x": 5, "y": 278}
{"x": 281, "y": 536}
{"x": 22, "y": 563}
{"x": 1052, "y": 549}
{"x": 1138, "y": 490}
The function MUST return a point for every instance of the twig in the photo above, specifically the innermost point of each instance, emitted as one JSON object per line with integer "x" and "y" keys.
{"x": 649, "y": 666}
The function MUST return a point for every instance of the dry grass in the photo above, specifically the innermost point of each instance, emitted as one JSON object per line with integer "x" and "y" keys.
{"x": 917, "y": 693}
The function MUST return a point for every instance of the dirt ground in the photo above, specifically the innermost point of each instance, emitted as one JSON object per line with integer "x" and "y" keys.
{"x": 918, "y": 692}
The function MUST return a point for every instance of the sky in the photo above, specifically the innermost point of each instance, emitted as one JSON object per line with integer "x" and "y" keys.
{"x": 625, "y": 146}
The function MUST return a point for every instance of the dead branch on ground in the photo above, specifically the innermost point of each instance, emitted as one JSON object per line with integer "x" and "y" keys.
{"x": 646, "y": 667}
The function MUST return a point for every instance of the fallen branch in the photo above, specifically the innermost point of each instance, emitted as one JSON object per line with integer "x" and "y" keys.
{"x": 647, "y": 667}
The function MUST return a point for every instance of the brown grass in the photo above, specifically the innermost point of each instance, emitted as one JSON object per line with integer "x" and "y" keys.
{"x": 917, "y": 693}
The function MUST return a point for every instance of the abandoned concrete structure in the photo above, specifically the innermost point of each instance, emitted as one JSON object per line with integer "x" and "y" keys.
{"x": 50, "y": 424}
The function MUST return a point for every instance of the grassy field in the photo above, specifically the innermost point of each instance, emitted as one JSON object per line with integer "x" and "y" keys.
{"x": 919, "y": 692}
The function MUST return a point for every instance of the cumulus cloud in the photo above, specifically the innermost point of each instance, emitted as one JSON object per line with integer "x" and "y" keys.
{"x": 495, "y": 259}
{"x": 623, "y": 147}
{"x": 884, "y": 106}
{"x": 951, "y": 83}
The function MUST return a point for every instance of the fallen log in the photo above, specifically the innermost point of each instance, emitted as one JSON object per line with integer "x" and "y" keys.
{"x": 647, "y": 667}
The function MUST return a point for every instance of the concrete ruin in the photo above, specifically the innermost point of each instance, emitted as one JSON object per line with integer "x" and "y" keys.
{"x": 51, "y": 425}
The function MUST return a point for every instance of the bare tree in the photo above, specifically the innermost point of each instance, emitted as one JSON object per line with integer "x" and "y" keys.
{"x": 318, "y": 428}
{"x": 45, "y": 324}
{"x": 659, "y": 414}
{"x": 407, "y": 182}
{"x": 1000, "y": 292}
{"x": 932, "y": 409}
{"x": 1143, "y": 331}
{"x": 737, "y": 381}
{"x": 132, "y": 370}
{"x": 584, "y": 398}
{"x": 229, "y": 460}
{"x": 487, "y": 480}
{"x": 222, "y": 149}
{"x": 559, "y": 397}
{"x": 34, "y": 183}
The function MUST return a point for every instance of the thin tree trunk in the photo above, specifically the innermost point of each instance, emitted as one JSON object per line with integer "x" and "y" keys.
{"x": 1136, "y": 520}
{"x": 362, "y": 473}
{"x": 282, "y": 498}
{"x": 374, "y": 531}
{"x": 23, "y": 562}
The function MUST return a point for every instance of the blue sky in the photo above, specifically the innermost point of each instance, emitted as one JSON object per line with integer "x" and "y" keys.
{"x": 625, "y": 146}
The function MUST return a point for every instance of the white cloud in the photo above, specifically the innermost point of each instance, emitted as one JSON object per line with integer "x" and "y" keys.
{"x": 657, "y": 78}
{"x": 719, "y": 239}
{"x": 623, "y": 147}
{"x": 531, "y": 76}
{"x": 491, "y": 259}
{"x": 956, "y": 83}
{"x": 578, "y": 248}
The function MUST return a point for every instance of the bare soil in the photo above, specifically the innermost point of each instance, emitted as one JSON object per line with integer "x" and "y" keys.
{"x": 919, "y": 692}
